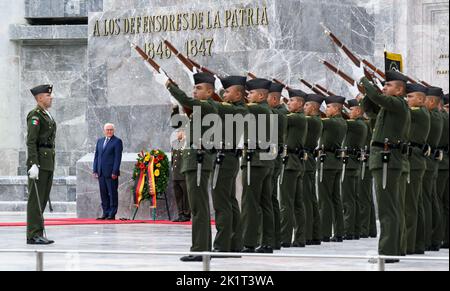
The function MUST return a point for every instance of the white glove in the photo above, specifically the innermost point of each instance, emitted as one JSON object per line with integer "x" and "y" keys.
{"x": 161, "y": 77}
{"x": 218, "y": 84}
{"x": 354, "y": 91}
{"x": 34, "y": 173}
{"x": 358, "y": 72}
{"x": 190, "y": 74}
{"x": 378, "y": 84}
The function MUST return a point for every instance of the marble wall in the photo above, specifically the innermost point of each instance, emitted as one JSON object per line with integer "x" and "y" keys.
{"x": 122, "y": 89}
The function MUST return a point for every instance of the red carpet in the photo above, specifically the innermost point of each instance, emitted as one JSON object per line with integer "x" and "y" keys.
{"x": 80, "y": 221}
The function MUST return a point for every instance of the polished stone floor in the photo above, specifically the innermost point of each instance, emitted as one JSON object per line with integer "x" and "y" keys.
{"x": 174, "y": 238}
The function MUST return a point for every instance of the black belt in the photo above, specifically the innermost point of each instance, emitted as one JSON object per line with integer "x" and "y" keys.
{"x": 394, "y": 146}
{"x": 444, "y": 149}
{"x": 418, "y": 145}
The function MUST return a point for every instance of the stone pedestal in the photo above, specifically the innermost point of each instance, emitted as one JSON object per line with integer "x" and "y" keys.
{"x": 88, "y": 193}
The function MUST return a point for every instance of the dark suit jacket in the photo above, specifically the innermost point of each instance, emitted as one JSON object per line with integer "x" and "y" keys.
{"x": 107, "y": 161}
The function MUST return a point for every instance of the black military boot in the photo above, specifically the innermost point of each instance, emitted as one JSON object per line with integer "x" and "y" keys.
{"x": 39, "y": 240}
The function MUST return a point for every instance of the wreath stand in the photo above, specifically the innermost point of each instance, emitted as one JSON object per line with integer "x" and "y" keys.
{"x": 153, "y": 210}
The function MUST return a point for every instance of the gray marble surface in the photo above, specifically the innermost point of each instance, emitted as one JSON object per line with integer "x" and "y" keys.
{"x": 176, "y": 238}
{"x": 61, "y": 8}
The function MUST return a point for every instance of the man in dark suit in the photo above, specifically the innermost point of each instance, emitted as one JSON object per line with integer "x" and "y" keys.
{"x": 108, "y": 156}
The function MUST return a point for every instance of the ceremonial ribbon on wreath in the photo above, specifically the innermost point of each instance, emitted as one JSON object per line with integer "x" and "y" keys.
{"x": 151, "y": 182}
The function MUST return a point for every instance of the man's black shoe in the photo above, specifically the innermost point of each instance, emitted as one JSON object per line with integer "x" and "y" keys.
{"x": 356, "y": 237}
{"x": 185, "y": 218}
{"x": 264, "y": 250}
{"x": 389, "y": 261}
{"x": 248, "y": 250}
{"x": 39, "y": 240}
{"x": 445, "y": 246}
{"x": 286, "y": 245}
{"x": 435, "y": 249}
{"x": 348, "y": 237}
{"x": 316, "y": 242}
{"x": 364, "y": 236}
{"x": 326, "y": 239}
{"x": 102, "y": 218}
{"x": 298, "y": 245}
{"x": 192, "y": 259}
{"x": 337, "y": 239}
{"x": 373, "y": 236}
{"x": 111, "y": 218}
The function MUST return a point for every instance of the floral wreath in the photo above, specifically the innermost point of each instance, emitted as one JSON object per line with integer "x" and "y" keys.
{"x": 151, "y": 177}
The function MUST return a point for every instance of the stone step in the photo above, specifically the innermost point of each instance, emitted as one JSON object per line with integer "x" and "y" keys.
{"x": 15, "y": 188}
{"x": 21, "y": 206}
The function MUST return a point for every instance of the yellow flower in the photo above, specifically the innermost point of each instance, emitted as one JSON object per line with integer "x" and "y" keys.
{"x": 147, "y": 158}
{"x": 157, "y": 173}
{"x": 158, "y": 165}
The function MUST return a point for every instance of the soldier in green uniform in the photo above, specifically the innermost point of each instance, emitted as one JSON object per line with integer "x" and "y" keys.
{"x": 314, "y": 131}
{"x": 293, "y": 168}
{"x": 178, "y": 180}
{"x": 354, "y": 143}
{"x": 330, "y": 169}
{"x": 280, "y": 109}
{"x": 229, "y": 232}
{"x": 41, "y": 134}
{"x": 443, "y": 178}
{"x": 257, "y": 209}
{"x": 420, "y": 128}
{"x": 433, "y": 221}
{"x": 197, "y": 163}
{"x": 368, "y": 214}
{"x": 386, "y": 156}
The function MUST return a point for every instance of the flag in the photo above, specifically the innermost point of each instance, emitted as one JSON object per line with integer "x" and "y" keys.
{"x": 393, "y": 61}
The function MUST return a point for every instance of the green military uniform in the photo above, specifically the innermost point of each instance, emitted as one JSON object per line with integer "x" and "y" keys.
{"x": 443, "y": 178}
{"x": 291, "y": 199}
{"x": 420, "y": 128}
{"x": 330, "y": 202}
{"x": 433, "y": 238}
{"x": 179, "y": 187}
{"x": 226, "y": 206}
{"x": 354, "y": 142}
{"x": 198, "y": 195}
{"x": 390, "y": 124}
{"x": 430, "y": 177}
{"x": 367, "y": 222}
{"x": 314, "y": 131}
{"x": 257, "y": 209}
{"x": 403, "y": 184}
{"x": 41, "y": 136}
{"x": 281, "y": 111}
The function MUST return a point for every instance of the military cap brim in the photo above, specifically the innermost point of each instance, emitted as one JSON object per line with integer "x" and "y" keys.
{"x": 258, "y": 84}
{"x": 233, "y": 81}
{"x": 395, "y": 76}
{"x": 204, "y": 78}
{"x": 42, "y": 89}
{"x": 412, "y": 88}
{"x": 353, "y": 103}
{"x": 335, "y": 99}
{"x": 435, "y": 91}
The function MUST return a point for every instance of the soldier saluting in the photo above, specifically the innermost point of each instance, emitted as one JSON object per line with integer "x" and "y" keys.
{"x": 197, "y": 163}
{"x": 386, "y": 159}
{"x": 41, "y": 133}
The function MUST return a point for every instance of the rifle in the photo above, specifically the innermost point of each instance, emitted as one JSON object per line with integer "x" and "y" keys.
{"x": 285, "y": 100}
{"x": 325, "y": 90}
{"x": 313, "y": 88}
{"x": 341, "y": 74}
{"x": 201, "y": 68}
{"x": 185, "y": 61}
{"x": 355, "y": 60}
{"x": 157, "y": 68}
{"x": 374, "y": 69}
{"x": 149, "y": 60}
{"x": 414, "y": 80}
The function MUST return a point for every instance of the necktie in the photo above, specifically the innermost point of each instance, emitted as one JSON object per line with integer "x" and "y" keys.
{"x": 105, "y": 143}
